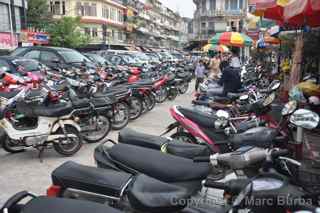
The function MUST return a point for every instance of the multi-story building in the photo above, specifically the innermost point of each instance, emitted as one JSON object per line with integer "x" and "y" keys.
{"x": 152, "y": 24}
{"x": 102, "y": 20}
{"x": 12, "y": 21}
{"x": 212, "y": 16}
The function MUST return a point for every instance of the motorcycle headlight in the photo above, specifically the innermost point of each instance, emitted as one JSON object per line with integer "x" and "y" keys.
{"x": 305, "y": 118}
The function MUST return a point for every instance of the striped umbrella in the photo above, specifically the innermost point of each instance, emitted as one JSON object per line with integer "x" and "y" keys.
{"x": 218, "y": 48}
{"x": 234, "y": 39}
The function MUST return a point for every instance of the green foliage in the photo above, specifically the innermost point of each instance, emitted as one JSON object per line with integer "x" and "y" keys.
{"x": 66, "y": 33}
{"x": 38, "y": 14}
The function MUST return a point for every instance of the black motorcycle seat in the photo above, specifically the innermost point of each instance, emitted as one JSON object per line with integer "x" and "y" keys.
{"x": 167, "y": 168}
{"x": 259, "y": 136}
{"x": 54, "y": 110}
{"x": 198, "y": 117}
{"x": 201, "y": 103}
{"x": 90, "y": 179}
{"x": 62, "y": 205}
{"x": 10, "y": 94}
{"x": 116, "y": 91}
{"x": 100, "y": 102}
{"x": 234, "y": 96}
{"x": 178, "y": 80}
{"x": 151, "y": 195}
{"x": 182, "y": 74}
{"x": 129, "y": 136}
{"x": 80, "y": 103}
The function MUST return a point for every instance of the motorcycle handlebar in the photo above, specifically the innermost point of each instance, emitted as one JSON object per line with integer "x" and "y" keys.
{"x": 216, "y": 185}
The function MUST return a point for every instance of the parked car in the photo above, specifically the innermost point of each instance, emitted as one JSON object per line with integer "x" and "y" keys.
{"x": 55, "y": 57}
{"x": 20, "y": 66}
{"x": 98, "y": 60}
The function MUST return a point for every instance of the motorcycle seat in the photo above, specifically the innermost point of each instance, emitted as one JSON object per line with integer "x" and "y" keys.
{"x": 9, "y": 95}
{"x": 182, "y": 74}
{"x": 54, "y": 110}
{"x": 198, "y": 117}
{"x": 167, "y": 168}
{"x": 116, "y": 91}
{"x": 151, "y": 195}
{"x": 80, "y": 103}
{"x": 91, "y": 179}
{"x": 62, "y": 205}
{"x": 129, "y": 136}
{"x": 259, "y": 136}
{"x": 101, "y": 102}
{"x": 143, "y": 83}
{"x": 234, "y": 96}
{"x": 201, "y": 103}
{"x": 138, "y": 86}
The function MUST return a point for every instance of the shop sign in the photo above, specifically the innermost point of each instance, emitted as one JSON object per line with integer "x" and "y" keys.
{"x": 7, "y": 41}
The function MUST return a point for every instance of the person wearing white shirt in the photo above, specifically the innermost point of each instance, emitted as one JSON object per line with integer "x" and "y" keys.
{"x": 235, "y": 61}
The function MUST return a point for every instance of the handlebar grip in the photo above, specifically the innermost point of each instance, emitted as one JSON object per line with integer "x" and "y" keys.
{"x": 282, "y": 152}
{"x": 201, "y": 159}
{"x": 216, "y": 185}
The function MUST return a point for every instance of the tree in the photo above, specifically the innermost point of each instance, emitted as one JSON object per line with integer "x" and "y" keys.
{"x": 38, "y": 14}
{"x": 65, "y": 33}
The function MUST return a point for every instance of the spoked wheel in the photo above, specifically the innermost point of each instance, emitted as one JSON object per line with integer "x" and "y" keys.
{"x": 161, "y": 95}
{"x": 68, "y": 146}
{"x": 184, "y": 88}
{"x": 151, "y": 101}
{"x": 173, "y": 93}
{"x": 12, "y": 146}
{"x": 184, "y": 137}
{"x": 95, "y": 129}
{"x": 136, "y": 107}
{"x": 121, "y": 116}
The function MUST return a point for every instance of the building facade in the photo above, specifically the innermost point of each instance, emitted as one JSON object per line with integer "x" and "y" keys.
{"x": 213, "y": 16}
{"x": 102, "y": 20}
{"x": 152, "y": 24}
{"x": 12, "y": 21}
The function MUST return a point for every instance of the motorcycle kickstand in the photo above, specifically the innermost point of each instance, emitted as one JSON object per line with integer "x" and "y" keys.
{"x": 41, "y": 151}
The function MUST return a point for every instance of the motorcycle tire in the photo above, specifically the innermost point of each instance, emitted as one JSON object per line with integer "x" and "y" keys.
{"x": 184, "y": 137}
{"x": 161, "y": 95}
{"x": 7, "y": 145}
{"x": 173, "y": 93}
{"x": 136, "y": 107}
{"x": 184, "y": 88}
{"x": 151, "y": 102}
{"x": 121, "y": 123}
{"x": 103, "y": 125}
{"x": 59, "y": 147}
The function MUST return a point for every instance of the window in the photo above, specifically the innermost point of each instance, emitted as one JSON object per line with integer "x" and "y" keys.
{"x": 33, "y": 54}
{"x": 234, "y": 4}
{"x": 211, "y": 25}
{"x": 87, "y": 31}
{"x": 57, "y": 8}
{"x": 120, "y": 16}
{"x": 79, "y": 9}
{"x": 115, "y": 60}
{"x": 4, "y": 18}
{"x": 204, "y": 6}
{"x": 18, "y": 20}
{"x": 113, "y": 14}
{"x": 212, "y": 4}
{"x": 203, "y": 25}
{"x": 105, "y": 12}
{"x": 120, "y": 36}
{"x": 94, "y": 32}
{"x": 86, "y": 9}
{"x": 48, "y": 56}
{"x": 241, "y": 4}
{"x": 226, "y": 5}
{"x": 93, "y": 9}
{"x": 63, "y": 8}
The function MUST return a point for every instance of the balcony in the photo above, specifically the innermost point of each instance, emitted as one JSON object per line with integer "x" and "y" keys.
{"x": 219, "y": 13}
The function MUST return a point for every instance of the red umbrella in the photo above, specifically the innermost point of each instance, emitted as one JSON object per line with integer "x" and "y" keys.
{"x": 302, "y": 12}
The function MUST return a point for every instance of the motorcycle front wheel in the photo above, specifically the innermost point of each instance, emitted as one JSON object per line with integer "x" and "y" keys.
{"x": 136, "y": 107}
{"x": 95, "y": 129}
{"x": 151, "y": 101}
{"x": 68, "y": 146}
{"x": 184, "y": 88}
{"x": 173, "y": 93}
{"x": 121, "y": 116}
{"x": 161, "y": 95}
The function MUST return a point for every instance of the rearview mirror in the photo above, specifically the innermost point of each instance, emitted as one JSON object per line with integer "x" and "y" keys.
{"x": 289, "y": 108}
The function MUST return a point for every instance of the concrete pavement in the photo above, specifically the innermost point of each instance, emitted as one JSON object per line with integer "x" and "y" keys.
{"x": 24, "y": 171}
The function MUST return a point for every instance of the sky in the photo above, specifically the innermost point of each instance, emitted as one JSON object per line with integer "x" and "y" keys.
{"x": 184, "y": 7}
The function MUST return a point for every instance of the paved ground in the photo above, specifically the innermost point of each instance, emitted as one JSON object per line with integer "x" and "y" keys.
{"x": 24, "y": 171}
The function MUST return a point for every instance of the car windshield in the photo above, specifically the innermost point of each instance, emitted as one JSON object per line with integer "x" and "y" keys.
{"x": 71, "y": 56}
{"x": 18, "y": 51}
{"x": 142, "y": 56}
{"x": 97, "y": 58}
{"x": 129, "y": 59}
{"x": 28, "y": 65}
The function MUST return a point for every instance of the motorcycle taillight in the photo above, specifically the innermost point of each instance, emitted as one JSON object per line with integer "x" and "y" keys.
{"x": 54, "y": 191}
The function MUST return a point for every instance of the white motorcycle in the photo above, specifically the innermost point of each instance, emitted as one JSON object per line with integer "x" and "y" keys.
{"x": 38, "y": 126}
